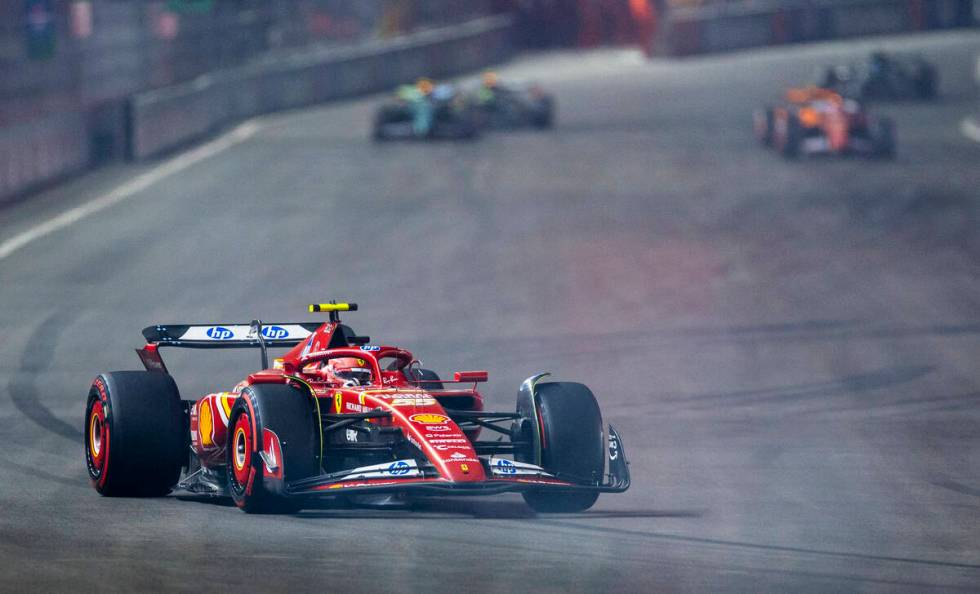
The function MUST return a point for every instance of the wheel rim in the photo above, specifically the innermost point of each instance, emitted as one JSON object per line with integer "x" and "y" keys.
{"x": 97, "y": 444}
{"x": 95, "y": 433}
{"x": 241, "y": 454}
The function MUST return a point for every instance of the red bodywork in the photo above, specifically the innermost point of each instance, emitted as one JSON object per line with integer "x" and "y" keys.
{"x": 387, "y": 426}
{"x": 419, "y": 413}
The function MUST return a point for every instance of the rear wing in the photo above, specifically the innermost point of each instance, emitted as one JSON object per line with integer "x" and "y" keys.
{"x": 256, "y": 335}
{"x": 230, "y": 336}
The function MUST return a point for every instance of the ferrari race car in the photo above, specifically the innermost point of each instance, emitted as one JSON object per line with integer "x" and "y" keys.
{"x": 425, "y": 112}
{"x": 336, "y": 416}
{"x": 816, "y": 120}
{"x": 884, "y": 76}
{"x": 513, "y": 105}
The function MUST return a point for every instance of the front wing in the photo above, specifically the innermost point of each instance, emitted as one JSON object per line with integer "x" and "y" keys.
{"x": 616, "y": 480}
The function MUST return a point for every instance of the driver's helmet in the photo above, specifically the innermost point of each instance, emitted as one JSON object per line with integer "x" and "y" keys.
{"x": 489, "y": 79}
{"x": 349, "y": 371}
{"x": 425, "y": 86}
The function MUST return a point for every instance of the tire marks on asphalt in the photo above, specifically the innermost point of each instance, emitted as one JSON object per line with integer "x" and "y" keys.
{"x": 758, "y": 546}
{"x": 22, "y": 387}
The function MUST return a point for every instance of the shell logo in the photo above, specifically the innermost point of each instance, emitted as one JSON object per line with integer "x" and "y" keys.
{"x": 429, "y": 419}
{"x": 205, "y": 421}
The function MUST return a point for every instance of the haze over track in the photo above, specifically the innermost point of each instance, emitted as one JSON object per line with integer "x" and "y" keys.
{"x": 789, "y": 349}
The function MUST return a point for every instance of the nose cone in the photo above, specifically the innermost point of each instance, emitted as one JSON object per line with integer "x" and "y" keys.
{"x": 446, "y": 446}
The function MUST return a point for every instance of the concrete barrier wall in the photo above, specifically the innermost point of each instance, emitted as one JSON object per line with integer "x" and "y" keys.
{"x": 42, "y": 150}
{"x": 164, "y": 119}
{"x": 57, "y": 145}
{"x": 732, "y": 26}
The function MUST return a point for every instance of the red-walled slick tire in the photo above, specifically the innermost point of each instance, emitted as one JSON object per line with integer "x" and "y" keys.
{"x": 263, "y": 411}
{"x": 135, "y": 434}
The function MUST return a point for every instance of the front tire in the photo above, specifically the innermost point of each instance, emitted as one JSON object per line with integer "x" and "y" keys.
{"x": 264, "y": 412}
{"x": 762, "y": 125}
{"x": 136, "y": 434}
{"x": 571, "y": 445}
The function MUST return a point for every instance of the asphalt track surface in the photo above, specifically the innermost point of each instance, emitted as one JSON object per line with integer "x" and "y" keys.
{"x": 789, "y": 349}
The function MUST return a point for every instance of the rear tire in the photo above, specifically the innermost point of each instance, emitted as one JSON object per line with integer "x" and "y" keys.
{"x": 464, "y": 123}
{"x": 544, "y": 115}
{"x": 385, "y": 115}
{"x": 571, "y": 445}
{"x": 378, "y": 133}
{"x": 762, "y": 125}
{"x": 927, "y": 82}
{"x": 788, "y": 135}
{"x": 140, "y": 415}
{"x": 883, "y": 138}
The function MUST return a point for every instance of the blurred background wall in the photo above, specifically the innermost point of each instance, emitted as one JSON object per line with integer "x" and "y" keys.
{"x": 83, "y": 82}
{"x": 678, "y": 27}
{"x": 69, "y": 67}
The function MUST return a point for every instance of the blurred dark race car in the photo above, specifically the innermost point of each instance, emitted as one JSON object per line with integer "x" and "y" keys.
{"x": 513, "y": 105}
{"x": 335, "y": 416}
{"x": 426, "y": 111}
{"x": 884, "y": 76}
{"x": 815, "y": 120}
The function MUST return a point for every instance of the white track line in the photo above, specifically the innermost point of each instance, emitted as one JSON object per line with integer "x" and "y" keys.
{"x": 130, "y": 188}
{"x": 970, "y": 129}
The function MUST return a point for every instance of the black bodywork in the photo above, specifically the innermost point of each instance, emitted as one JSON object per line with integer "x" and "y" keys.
{"x": 453, "y": 118}
{"x": 884, "y": 76}
{"x": 515, "y": 107}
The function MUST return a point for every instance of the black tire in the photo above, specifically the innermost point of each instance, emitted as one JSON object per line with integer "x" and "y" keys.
{"x": 927, "y": 82}
{"x": 140, "y": 415}
{"x": 762, "y": 125}
{"x": 572, "y": 446}
{"x": 426, "y": 378}
{"x": 544, "y": 115}
{"x": 378, "y": 133}
{"x": 463, "y": 123}
{"x": 875, "y": 88}
{"x": 381, "y": 120}
{"x": 830, "y": 80}
{"x": 883, "y": 138}
{"x": 287, "y": 412}
{"x": 385, "y": 115}
{"x": 789, "y": 137}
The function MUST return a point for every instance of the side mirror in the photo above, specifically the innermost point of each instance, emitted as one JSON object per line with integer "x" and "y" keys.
{"x": 470, "y": 376}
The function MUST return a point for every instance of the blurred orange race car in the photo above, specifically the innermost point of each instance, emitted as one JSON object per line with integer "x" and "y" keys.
{"x": 816, "y": 120}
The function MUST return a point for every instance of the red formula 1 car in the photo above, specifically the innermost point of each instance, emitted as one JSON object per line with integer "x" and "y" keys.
{"x": 338, "y": 416}
{"x": 816, "y": 120}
